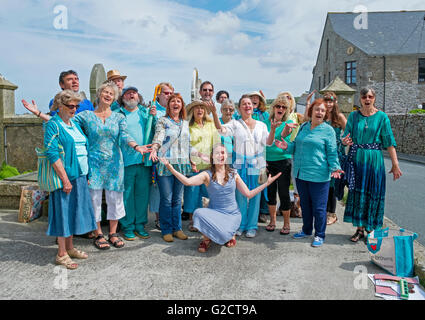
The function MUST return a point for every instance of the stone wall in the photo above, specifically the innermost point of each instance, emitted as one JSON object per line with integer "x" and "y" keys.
{"x": 409, "y": 132}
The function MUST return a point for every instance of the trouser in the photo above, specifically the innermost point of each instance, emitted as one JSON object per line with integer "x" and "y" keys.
{"x": 281, "y": 185}
{"x": 171, "y": 192}
{"x": 114, "y": 202}
{"x": 137, "y": 180}
{"x": 331, "y": 207}
{"x": 313, "y": 197}
{"x": 193, "y": 197}
{"x": 249, "y": 208}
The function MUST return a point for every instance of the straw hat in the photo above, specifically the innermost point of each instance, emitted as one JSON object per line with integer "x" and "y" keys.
{"x": 193, "y": 104}
{"x": 257, "y": 93}
{"x": 113, "y": 74}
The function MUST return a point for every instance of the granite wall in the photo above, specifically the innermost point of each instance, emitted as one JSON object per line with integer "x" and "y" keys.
{"x": 409, "y": 132}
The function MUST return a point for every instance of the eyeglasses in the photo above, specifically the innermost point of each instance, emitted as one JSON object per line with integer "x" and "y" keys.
{"x": 228, "y": 110}
{"x": 71, "y": 106}
{"x": 166, "y": 93}
{"x": 281, "y": 107}
{"x": 209, "y": 90}
{"x": 370, "y": 97}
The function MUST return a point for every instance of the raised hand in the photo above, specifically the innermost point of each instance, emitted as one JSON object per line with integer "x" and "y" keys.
{"x": 347, "y": 140}
{"x": 337, "y": 174}
{"x": 311, "y": 96}
{"x": 275, "y": 124}
{"x": 282, "y": 144}
{"x": 209, "y": 105}
{"x": 31, "y": 107}
{"x": 152, "y": 110}
{"x": 288, "y": 129}
{"x": 395, "y": 170}
{"x": 271, "y": 179}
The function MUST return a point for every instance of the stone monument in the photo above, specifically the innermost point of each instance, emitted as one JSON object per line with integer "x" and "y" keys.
{"x": 97, "y": 77}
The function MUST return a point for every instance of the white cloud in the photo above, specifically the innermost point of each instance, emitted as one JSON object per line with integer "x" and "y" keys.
{"x": 221, "y": 23}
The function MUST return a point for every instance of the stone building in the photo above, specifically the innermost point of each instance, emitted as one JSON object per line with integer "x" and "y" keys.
{"x": 384, "y": 50}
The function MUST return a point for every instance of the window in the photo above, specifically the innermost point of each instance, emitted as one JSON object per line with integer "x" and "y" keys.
{"x": 351, "y": 72}
{"x": 421, "y": 77}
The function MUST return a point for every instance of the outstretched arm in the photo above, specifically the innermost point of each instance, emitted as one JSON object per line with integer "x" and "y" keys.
{"x": 242, "y": 187}
{"x": 34, "y": 109}
{"x": 197, "y": 180}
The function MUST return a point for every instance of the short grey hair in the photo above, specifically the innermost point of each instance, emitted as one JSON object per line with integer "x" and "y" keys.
{"x": 228, "y": 102}
{"x": 365, "y": 90}
{"x": 65, "y": 97}
{"x": 109, "y": 84}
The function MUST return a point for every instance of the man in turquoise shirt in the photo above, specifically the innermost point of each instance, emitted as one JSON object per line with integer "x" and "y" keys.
{"x": 137, "y": 168}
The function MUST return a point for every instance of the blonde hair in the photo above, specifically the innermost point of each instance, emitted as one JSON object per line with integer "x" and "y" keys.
{"x": 65, "y": 97}
{"x": 292, "y": 100}
{"x": 281, "y": 100}
{"x": 191, "y": 119}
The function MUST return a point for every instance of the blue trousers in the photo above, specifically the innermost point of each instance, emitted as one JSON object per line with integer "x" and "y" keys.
{"x": 313, "y": 199}
{"x": 193, "y": 197}
{"x": 249, "y": 208}
{"x": 171, "y": 192}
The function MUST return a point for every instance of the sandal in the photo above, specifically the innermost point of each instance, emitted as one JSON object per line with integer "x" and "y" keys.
{"x": 75, "y": 253}
{"x": 66, "y": 261}
{"x": 331, "y": 219}
{"x": 271, "y": 227}
{"x": 285, "y": 231}
{"x": 117, "y": 242}
{"x": 204, "y": 245}
{"x": 357, "y": 236}
{"x": 89, "y": 235}
{"x": 101, "y": 245}
{"x": 192, "y": 228}
{"x": 231, "y": 243}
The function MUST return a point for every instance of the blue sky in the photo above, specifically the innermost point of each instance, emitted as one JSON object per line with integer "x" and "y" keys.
{"x": 239, "y": 45}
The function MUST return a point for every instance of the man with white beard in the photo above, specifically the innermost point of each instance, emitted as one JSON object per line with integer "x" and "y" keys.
{"x": 137, "y": 169}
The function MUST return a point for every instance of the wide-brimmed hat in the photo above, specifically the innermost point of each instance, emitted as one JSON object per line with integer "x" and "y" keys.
{"x": 257, "y": 93}
{"x": 113, "y": 74}
{"x": 193, "y": 104}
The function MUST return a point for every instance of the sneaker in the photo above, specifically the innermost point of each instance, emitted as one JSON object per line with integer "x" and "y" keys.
{"x": 317, "y": 242}
{"x": 129, "y": 236}
{"x": 142, "y": 234}
{"x": 239, "y": 232}
{"x": 300, "y": 235}
{"x": 262, "y": 218}
{"x": 251, "y": 233}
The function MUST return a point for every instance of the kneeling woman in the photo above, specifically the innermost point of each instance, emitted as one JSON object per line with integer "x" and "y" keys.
{"x": 218, "y": 223}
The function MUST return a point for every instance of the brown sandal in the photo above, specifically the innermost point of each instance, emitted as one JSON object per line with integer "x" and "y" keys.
{"x": 66, "y": 261}
{"x": 331, "y": 219}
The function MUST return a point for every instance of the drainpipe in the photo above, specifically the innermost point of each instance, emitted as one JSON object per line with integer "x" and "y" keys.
{"x": 385, "y": 79}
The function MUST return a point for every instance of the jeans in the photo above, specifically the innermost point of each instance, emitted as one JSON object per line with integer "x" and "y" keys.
{"x": 313, "y": 198}
{"x": 171, "y": 192}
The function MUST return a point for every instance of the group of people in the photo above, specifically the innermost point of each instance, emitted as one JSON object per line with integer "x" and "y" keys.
{"x": 168, "y": 157}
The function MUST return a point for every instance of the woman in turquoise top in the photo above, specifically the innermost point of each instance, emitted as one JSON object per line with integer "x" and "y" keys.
{"x": 279, "y": 161}
{"x": 70, "y": 208}
{"x": 106, "y": 131}
{"x": 227, "y": 113}
{"x": 315, "y": 162}
{"x": 368, "y": 131}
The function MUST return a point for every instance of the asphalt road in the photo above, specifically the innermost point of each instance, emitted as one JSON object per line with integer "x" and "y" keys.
{"x": 405, "y": 198}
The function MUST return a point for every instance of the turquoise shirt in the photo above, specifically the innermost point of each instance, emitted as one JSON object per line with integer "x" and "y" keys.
{"x": 315, "y": 153}
{"x": 70, "y": 161}
{"x": 136, "y": 127}
{"x": 160, "y": 110}
{"x": 80, "y": 145}
{"x": 274, "y": 153}
{"x": 227, "y": 141}
{"x": 115, "y": 106}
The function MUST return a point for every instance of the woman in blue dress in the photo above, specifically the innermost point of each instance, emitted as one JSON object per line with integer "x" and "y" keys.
{"x": 218, "y": 223}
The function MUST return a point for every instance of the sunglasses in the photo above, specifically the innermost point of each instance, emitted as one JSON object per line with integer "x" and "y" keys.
{"x": 71, "y": 106}
{"x": 281, "y": 107}
{"x": 209, "y": 90}
{"x": 370, "y": 97}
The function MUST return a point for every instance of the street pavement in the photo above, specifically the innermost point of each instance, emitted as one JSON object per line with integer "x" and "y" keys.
{"x": 268, "y": 267}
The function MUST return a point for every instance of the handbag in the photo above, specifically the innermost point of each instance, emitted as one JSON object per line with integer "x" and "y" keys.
{"x": 393, "y": 250}
{"x": 31, "y": 203}
{"x": 48, "y": 179}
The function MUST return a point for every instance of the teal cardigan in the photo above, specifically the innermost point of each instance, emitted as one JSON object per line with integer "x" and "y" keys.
{"x": 315, "y": 153}
{"x": 70, "y": 161}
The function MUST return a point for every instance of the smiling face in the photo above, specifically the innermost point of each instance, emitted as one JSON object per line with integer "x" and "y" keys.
{"x": 198, "y": 113}
{"x": 255, "y": 101}
{"x": 329, "y": 104}
{"x": 67, "y": 111}
{"x": 319, "y": 113}
{"x": 222, "y": 97}
{"x": 175, "y": 106}
{"x": 219, "y": 155}
{"x": 70, "y": 82}
{"x": 246, "y": 107}
{"x": 207, "y": 92}
{"x": 165, "y": 94}
{"x": 107, "y": 96}
{"x": 279, "y": 111}
{"x": 131, "y": 99}
{"x": 368, "y": 100}
{"x": 227, "y": 112}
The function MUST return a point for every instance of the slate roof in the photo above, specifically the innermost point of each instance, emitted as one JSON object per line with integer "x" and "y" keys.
{"x": 388, "y": 33}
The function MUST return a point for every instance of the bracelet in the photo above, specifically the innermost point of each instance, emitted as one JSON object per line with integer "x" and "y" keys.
{"x": 38, "y": 115}
{"x": 135, "y": 146}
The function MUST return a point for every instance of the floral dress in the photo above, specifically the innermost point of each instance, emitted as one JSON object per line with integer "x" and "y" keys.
{"x": 106, "y": 165}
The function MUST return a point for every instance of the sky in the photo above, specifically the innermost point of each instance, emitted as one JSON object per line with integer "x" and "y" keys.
{"x": 238, "y": 45}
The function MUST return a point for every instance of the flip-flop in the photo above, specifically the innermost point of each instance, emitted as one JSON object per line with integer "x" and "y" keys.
{"x": 285, "y": 231}
{"x": 271, "y": 227}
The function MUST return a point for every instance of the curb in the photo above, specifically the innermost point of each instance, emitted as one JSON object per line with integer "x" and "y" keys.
{"x": 407, "y": 157}
{"x": 419, "y": 250}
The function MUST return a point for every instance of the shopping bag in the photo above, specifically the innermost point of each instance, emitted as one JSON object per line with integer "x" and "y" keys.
{"x": 392, "y": 250}
{"x": 31, "y": 203}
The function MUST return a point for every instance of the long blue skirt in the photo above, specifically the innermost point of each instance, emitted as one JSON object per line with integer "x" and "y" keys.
{"x": 71, "y": 213}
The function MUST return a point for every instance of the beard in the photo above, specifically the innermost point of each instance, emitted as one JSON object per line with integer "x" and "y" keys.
{"x": 132, "y": 104}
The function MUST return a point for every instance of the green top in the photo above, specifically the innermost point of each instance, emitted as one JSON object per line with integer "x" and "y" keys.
{"x": 274, "y": 153}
